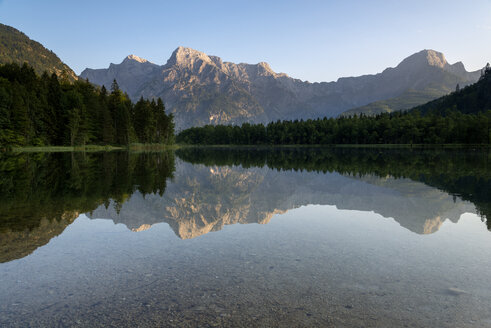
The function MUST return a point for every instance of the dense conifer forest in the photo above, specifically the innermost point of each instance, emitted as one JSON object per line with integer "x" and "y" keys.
{"x": 463, "y": 117}
{"x": 46, "y": 110}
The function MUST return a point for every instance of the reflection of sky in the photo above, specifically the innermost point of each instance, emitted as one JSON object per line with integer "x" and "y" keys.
{"x": 313, "y": 40}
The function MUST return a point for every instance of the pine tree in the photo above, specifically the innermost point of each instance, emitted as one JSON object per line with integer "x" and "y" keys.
{"x": 114, "y": 86}
{"x": 7, "y": 135}
{"x": 165, "y": 124}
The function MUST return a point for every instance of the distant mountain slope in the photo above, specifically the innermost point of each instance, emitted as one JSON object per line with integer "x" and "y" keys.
{"x": 407, "y": 100}
{"x": 16, "y": 47}
{"x": 440, "y": 79}
{"x": 201, "y": 89}
{"x": 474, "y": 98}
{"x": 131, "y": 74}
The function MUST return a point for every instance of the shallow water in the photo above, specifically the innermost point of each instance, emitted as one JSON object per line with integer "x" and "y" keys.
{"x": 235, "y": 244}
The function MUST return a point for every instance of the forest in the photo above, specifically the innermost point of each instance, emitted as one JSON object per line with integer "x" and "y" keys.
{"x": 463, "y": 117}
{"x": 48, "y": 110}
{"x": 397, "y": 128}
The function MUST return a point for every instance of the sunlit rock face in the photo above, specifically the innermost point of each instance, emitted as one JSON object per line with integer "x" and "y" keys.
{"x": 200, "y": 89}
{"x": 203, "y": 199}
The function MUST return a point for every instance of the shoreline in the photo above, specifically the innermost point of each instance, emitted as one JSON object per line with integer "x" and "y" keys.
{"x": 395, "y": 146}
{"x": 159, "y": 147}
{"x": 90, "y": 148}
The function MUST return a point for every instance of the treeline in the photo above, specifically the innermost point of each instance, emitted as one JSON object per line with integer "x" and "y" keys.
{"x": 464, "y": 117}
{"x": 397, "y": 128}
{"x": 44, "y": 110}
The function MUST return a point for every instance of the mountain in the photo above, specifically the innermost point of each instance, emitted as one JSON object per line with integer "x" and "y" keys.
{"x": 131, "y": 74}
{"x": 200, "y": 89}
{"x": 432, "y": 78}
{"x": 474, "y": 98}
{"x": 16, "y": 47}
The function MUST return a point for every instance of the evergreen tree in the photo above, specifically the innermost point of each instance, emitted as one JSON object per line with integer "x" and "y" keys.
{"x": 114, "y": 86}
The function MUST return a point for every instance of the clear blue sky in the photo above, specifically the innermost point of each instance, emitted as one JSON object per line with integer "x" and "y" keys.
{"x": 310, "y": 40}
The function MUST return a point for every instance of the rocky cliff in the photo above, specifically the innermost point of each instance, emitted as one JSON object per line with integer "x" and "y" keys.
{"x": 201, "y": 89}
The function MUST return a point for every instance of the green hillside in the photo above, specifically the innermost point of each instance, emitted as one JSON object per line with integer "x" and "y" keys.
{"x": 408, "y": 99}
{"x": 16, "y": 47}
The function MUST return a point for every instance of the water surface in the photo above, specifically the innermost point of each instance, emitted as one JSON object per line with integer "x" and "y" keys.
{"x": 289, "y": 237}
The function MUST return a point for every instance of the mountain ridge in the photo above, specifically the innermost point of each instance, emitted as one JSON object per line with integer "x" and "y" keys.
{"x": 201, "y": 89}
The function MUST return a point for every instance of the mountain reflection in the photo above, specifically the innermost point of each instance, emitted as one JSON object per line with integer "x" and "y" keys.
{"x": 43, "y": 193}
{"x": 217, "y": 187}
{"x": 464, "y": 174}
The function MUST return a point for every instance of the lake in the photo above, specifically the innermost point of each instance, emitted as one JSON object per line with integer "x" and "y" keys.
{"x": 287, "y": 237}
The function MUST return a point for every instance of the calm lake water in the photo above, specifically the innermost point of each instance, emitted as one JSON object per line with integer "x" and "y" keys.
{"x": 246, "y": 238}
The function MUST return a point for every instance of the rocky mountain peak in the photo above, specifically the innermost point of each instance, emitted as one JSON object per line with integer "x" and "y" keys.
{"x": 133, "y": 58}
{"x": 458, "y": 68}
{"x": 183, "y": 56}
{"x": 435, "y": 58}
{"x": 424, "y": 58}
{"x": 266, "y": 67}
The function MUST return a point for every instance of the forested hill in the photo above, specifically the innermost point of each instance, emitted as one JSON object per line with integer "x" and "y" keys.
{"x": 475, "y": 98}
{"x": 43, "y": 110}
{"x": 16, "y": 47}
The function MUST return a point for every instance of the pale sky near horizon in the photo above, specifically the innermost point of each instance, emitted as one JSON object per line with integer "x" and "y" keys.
{"x": 310, "y": 40}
